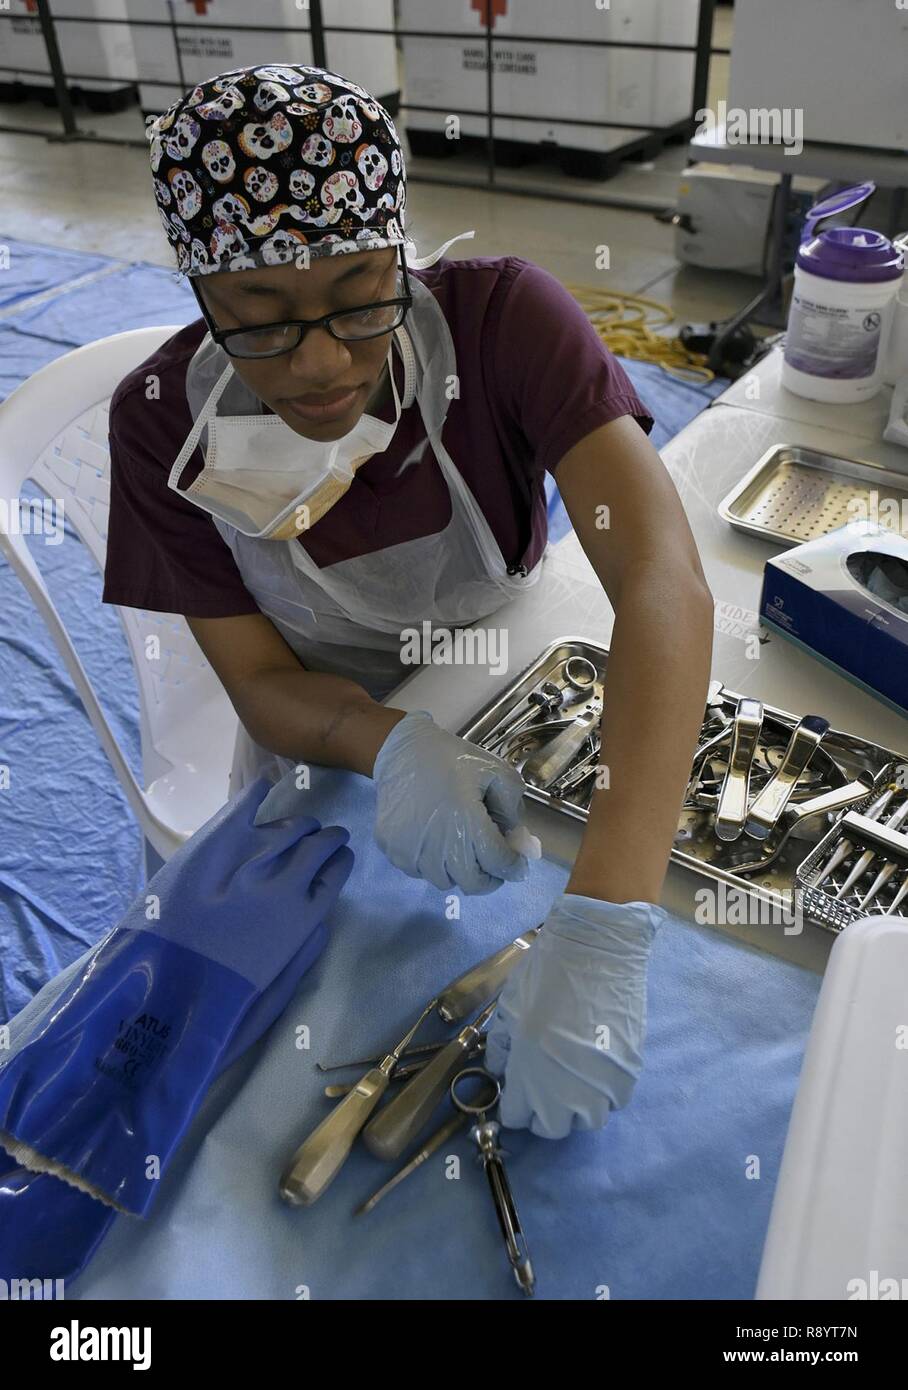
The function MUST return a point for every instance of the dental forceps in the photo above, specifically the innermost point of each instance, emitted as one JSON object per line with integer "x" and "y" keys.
{"x": 485, "y": 1134}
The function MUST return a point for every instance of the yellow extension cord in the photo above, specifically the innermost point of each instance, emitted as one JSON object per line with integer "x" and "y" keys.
{"x": 627, "y": 324}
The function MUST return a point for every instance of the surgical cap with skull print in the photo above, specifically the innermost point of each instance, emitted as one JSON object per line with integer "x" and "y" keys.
{"x": 258, "y": 163}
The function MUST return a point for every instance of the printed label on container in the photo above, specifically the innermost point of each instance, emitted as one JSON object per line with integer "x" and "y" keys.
{"x": 832, "y": 340}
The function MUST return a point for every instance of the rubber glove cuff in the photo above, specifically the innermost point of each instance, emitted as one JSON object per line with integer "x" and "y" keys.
{"x": 403, "y": 732}
{"x": 595, "y": 922}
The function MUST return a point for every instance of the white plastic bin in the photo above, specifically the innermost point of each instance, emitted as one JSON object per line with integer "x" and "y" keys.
{"x": 839, "y": 1222}
{"x": 368, "y": 59}
{"x": 569, "y": 83}
{"x": 100, "y": 56}
{"x": 839, "y": 62}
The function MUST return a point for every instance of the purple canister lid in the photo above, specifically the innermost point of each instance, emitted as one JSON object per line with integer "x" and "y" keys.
{"x": 852, "y": 253}
{"x": 848, "y": 253}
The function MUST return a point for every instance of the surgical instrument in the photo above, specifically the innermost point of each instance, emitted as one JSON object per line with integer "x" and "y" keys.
{"x": 795, "y": 818}
{"x": 400, "y": 1073}
{"x": 579, "y": 771}
{"x": 342, "y": 1088}
{"x": 731, "y": 810}
{"x": 484, "y": 980}
{"x": 549, "y": 762}
{"x": 892, "y": 822}
{"x": 771, "y": 801}
{"x": 889, "y": 869}
{"x": 846, "y": 847}
{"x": 370, "y": 1061}
{"x": 513, "y": 749}
{"x": 395, "y": 1126}
{"x": 580, "y": 673}
{"x": 432, "y": 1144}
{"x": 320, "y": 1157}
{"x": 485, "y": 1134}
{"x": 543, "y": 702}
{"x": 723, "y": 736}
{"x": 899, "y": 898}
{"x": 474, "y": 987}
{"x": 582, "y": 772}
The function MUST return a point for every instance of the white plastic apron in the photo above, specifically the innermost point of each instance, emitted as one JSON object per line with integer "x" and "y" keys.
{"x": 347, "y": 618}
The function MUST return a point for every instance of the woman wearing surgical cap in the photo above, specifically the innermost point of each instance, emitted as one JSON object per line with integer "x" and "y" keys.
{"x": 351, "y": 442}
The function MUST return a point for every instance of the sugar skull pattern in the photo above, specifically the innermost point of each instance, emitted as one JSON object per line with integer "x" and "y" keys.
{"x": 266, "y": 165}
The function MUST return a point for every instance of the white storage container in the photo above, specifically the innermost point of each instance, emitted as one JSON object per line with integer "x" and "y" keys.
{"x": 569, "y": 83}
{"x": 368, "y": 59}
{"x": 839, "y": 1222}
{"x": 726, "y": 212}
{"x": 100, "y": 56}
{"x": 896, "y": 360}
{"x": 841, "y": 62}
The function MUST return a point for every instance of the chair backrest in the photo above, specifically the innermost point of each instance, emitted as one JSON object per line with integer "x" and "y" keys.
{"x": 54, "y": 430}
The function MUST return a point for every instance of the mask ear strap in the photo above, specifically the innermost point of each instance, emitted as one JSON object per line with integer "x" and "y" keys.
{"x": 407, "y": 382}
{"x": 194, "y": 435}
{"x": 423, "y": 262}
{"x": 408, "y": 357}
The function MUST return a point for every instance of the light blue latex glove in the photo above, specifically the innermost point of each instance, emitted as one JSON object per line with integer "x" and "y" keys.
{"x": 568, "y": 1032}
{"x": 443, "y": 804}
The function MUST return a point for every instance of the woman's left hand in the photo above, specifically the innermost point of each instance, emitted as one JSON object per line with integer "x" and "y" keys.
{"x": 568, "y": 1032}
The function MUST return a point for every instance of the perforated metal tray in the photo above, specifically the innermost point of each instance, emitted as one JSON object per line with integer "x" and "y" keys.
{"x": 796, "y": 494}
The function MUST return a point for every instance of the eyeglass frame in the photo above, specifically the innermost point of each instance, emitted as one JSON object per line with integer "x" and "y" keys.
{"x": 220, "y": 334}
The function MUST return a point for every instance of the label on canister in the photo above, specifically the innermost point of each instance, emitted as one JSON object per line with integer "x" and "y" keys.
{"x": 832, "y": 340}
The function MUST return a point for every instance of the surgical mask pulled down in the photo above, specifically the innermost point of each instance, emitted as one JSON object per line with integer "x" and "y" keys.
{"x": 266, "y": 480}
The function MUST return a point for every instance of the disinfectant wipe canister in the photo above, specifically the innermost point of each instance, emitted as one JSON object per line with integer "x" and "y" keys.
{"x": 845, "y": 283}
{"x": 895, "y": 366}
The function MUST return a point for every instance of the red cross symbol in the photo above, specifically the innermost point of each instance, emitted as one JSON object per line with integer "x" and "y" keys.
{"x": 499, "y": 9}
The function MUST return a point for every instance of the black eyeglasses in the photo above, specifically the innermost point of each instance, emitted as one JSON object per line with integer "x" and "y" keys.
{"x": 347, "y": 325}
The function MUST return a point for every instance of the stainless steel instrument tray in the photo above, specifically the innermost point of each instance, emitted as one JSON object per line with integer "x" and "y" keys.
{"x": 796, "y": 494}
{"x": 696, "y": 845}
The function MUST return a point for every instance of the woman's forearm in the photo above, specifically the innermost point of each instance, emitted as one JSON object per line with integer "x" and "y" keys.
{"x": 655, "y": 694}
{"x": 314, "y": 717}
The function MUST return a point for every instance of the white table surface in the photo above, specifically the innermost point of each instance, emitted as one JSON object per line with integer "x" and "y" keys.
{"x": 761, "y": 390}
{"x": 705, "y": 460}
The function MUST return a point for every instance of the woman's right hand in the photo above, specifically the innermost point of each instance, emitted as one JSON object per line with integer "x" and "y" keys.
{"x": 445, "y": 807}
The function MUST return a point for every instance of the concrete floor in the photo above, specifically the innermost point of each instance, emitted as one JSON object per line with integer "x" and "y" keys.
{"x": 98, "y": 198}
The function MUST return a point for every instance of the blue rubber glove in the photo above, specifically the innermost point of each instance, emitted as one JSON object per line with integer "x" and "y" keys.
{"x": 49, "y": 1230}
{"x": 443, "y": 805}
{"x": 112, "y": 1067}
{"x": 568, "y": 1031}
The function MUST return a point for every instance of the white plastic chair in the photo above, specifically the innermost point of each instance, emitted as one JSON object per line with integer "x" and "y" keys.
{"x": 53, "y": 429}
